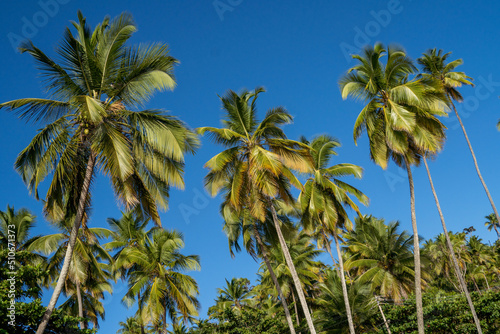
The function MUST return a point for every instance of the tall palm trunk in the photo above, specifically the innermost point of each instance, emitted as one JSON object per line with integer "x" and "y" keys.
{"x": 139, "y": 306}
{"x": 80, "y": 304}
{"x": 416, "y": 254}
{"x": 383, "y": 315}
{"x": 291, "y": 266}
{"x": 458, "y": 272}
{"x": 296, "y": 308}
{"x": 329, "y": 249}
{"x": 71, "y": 245}
{"x": 475, "y": 162}
{"x": 344, "y": 286}
{"x": 263, "y": 250}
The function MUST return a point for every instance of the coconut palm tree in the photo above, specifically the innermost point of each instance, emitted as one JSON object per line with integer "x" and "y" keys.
{"x": 438, "y": 251}
{"x": 89, "y": 265}
{"x": 332, "y": 313}
{"x": 89, "y": 126}
{"x": 492, "y": 223}
{"x": 236, "y": 295}
{"x": 323, "y": 199}
{"x": 258, "y": 239}
{"x": 435, "y": 67}
{"x": 19, "y": 223}
{"x": 400, "y": 120}
{"x": 304, "y": 256}
{"x": 130, "y": 326}
{"x": 156, "y": 272}
{"x": 258, "y": 164}
{"x": 380, "y": 254}
{"x": 128, "y": 232}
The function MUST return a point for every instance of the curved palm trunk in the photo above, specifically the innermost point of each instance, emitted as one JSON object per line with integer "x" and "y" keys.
{"x": 275, "y": 279}
{"x": 452, "y": 253}
{"x": 344, "y": 286}
{"x": 416, "y": 254}
{"x": 80, "y": 305}
{"x": 71, "y": 245}
{"x": 475, "y": 163}
{"x": 383, "y": 315}
{"x": 291, "y": 266}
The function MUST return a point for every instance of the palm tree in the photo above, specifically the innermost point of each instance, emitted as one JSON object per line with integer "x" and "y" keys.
{"x": 400, "y": 121}
{"x": 19, "y": 222}
{"x": 89, "y": 126}
{"x": 235, "y": 296}
{"x": 155, "y": 271}
{"x": 492, "y": 223}
{"x": 435, "y": 67}
{"x": 324, "y": 197}
{"x": 243, "y": 225}
{"x": 438, "y": 251}
{"x": 332, "y": 312}
{"x": 88, "y": 265}
{"x": 380, "y": 254}
{"x": 130, "y": 326}
{"x": 303, "y": 254}
{"x": 257, "y": 164}
{"x": 128, "y": 232}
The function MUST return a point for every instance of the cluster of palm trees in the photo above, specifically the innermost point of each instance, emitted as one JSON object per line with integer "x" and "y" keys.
{"x": 379, "y": 268}
{"x": 91, "y": 125}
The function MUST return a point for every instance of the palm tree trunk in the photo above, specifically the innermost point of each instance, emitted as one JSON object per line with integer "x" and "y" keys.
{"x": 69, "y": 251}
{"x": 291, "y": 266}
{"x": 344, "y": 286}
{"x": 416, "y": 254}
{"x": 165, "y": 331}
{"x": 475, "y": 162}
{"x": 139, "y": 306}
{"x": 329, "y": 249}
{"x": 80, "y": 304}
{"x": 452, "y": 253}
{"x": 486, "y": 280}
{"x": 383, "y": 315}
{"x": 475, "y": 284}
{"x": 296, "y": 309}
{"x": 263, "y": 250}
{"x": 496, "y": 230}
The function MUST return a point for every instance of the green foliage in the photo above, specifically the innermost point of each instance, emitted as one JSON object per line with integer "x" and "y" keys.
{"x": 247, "y": 321}
{"x": 29, "y": 313}
{"x": 445, "y": 314}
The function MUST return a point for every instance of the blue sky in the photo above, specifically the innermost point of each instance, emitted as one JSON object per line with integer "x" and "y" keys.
{"x": 297, "y": 50}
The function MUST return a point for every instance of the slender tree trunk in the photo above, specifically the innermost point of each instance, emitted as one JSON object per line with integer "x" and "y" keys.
{"x": 458, "y": 272}
{"x": 263, "y": 250}
{"x": 80, "y": 305}
{"x": 329, "y": 249}
{"x": 291, "y": 266}
{"x": 475, "y": 284}
{"x": 71, "y": 245}
{"x": 496, "y": 230}
{"x": 383, "y": 315}
{"x": 165, "y": 331}
{"x": 139, "y": 306}
{"x": 475, "y": 162}
{"x": 344, "y": 286}
{"x": 296, "y": 309}
{"x": 486, "y": 280}
{"x": 416, "y": 254}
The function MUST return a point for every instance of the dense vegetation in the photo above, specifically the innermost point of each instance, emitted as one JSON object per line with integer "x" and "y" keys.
{"x": 380, "y": 277}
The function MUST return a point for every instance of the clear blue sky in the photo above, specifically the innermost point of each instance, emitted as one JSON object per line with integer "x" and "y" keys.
{"x": 297, "y": 51}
